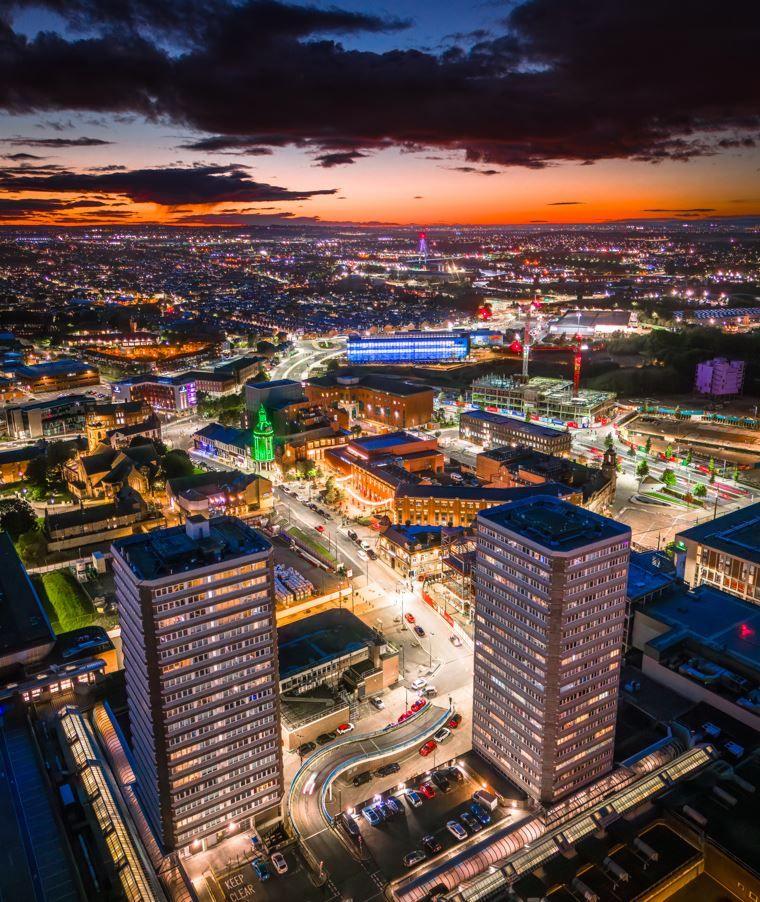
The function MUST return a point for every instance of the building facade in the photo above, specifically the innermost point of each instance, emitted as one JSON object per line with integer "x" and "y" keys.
{"x": 196, "y": 606}
{"x": 550, "y": 624}
{"x": 389, "y": 402}
{"x": 724, "y": 553}
{"x": 408, "y": 347}
{"x": 492, "y": 430}
{"x": 719, "y": 378}
{"x": 165, "y": 394}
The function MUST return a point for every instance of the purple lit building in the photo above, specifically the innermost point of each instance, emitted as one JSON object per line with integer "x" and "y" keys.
{"x": 719, "y": 377}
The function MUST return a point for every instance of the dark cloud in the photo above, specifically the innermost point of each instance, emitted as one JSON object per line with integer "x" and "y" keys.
{"x": 474, "y": 169}
{"x": 689, "y": 211}
{"x": 241, "y": 219}
{"x": 566, "y": 203}
{"x": 583, "y": 81}
{"x": 339, "y": 158}
{"x": 20, "y": 141}
{"x": 169, "y": 187}
{"x": 19, "y": 157}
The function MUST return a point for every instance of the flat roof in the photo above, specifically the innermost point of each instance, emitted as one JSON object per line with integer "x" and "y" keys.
{"x": 476, "y": 493}
{"x": 555, "y": 524}
{"x": 320, "y": 638}
{"x": 737, "y": 533}
{"x": 166, "y": 552}
{"x": 404, "y": 336}
{"x": 517, "y": 425}
{"x": 716, "y": 618}
{"x": 386, "y": 440}
{"x": 387, "y": 384}
{"x": 55, "y": 368}
{"x": 228, "y": 435}
{"x": 648, "y": 572}
{"x": 23, "y": 621}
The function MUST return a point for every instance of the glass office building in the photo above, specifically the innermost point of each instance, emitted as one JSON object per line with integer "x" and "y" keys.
{"x": 409, "y": 347}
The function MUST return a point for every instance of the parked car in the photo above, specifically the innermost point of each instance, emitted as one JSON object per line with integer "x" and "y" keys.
{"x": 456, "y": 641}
{"x": 441, "y": 781}
{"x": 364, "y": 777}
{"x": 306, "y": 749}
{"x": 352, "y": 535}
{"x": 395, "y": 806}
{"x": 418, "y": 684}
{"x": 279, "y": 863}
{"x": 361, "y": 553}
{"x": 419, "y": 631}
{"x": 387, "y": 769}
{"x": 319, "y": 527}
{"x": 409, "y": 618}
{"x": 405, "y": 716}
{"x": 429, "y": 747}
{"x": 414, "y": 798}
{"x": 366, "y": 544}
{"x": 430, "y": 692}
{"x": 454, "y": 773}
{"x": 456, "y": 830}
{"x": 486, "y": 800}
{"x": 344, "y": 728}
{"x": 470, "y": 821}
{"x": 431, "y": 845}
{"x": 442, "y": 735}
{"x": 377, "y": 702}
{"x": 427, "y": 789}
{"x": 454, "y": 721}
{"x": 324, "y": 738}
{"x": 412, "y": 858}
{"x": 417, "y": 705}
{"x": 261, "y": 869}
{"x": 372, "y": 816}
{"x": 349, "y": 825}
{"x": 372, "y": 555}
{"x": 480, "y": 813}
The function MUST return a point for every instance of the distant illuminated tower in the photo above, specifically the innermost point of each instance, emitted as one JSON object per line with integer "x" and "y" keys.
{"x": 263, "y": 438}
{"x": 424, "y": 247}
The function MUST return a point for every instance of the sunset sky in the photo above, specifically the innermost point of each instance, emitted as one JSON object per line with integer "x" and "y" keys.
{"x": 222, "y": 112}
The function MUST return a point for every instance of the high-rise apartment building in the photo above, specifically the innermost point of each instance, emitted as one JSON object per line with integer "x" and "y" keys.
{"x": 196, "y": 606}
{"x": 550, "y": 614}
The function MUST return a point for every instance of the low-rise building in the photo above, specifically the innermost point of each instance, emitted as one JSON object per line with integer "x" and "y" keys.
{"x": 102, "y": 474}
{"x": 98, "y": 523}
{"x": 165, "y": 394}
{"x": 413, "y": 552}
{"x": 55, "y": 418}
{"x": 220, "y": 492}
{"x": 724, "y": 552}
{"x": 492, "y": 430}
{"x": 226, "y": 377}
{"x": 225, "y": 444}
{"x": 13, "y": 463}
{"x": 408, "y": 347}
{"x": 269, "y": 393}
{"x": 56, "y": 375}
{"x": 395, "y": 403}
{"x": 548, "y": 400}
{"x": 719, "y": 378}
{"x": 104, "y": 418}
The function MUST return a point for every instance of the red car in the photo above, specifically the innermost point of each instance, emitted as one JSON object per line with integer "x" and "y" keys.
{"x": 428, "y": 790}
{"x": 418, "y": 705}
{"x": 429, "y": 747}
{"x": 405, "y": 716}
{"x": 455, "y": 721}
{"x": 409, "y": 618}
{"x": 319, "y": 528}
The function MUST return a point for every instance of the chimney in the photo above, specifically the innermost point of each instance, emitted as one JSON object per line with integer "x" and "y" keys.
{"x": 197, "y": 527}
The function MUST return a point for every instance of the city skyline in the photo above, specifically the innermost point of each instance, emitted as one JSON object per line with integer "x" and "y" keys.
{"x": 514, "y": 114}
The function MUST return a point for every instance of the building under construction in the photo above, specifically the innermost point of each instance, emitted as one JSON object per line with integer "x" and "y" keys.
{"x": 548, "y": 400}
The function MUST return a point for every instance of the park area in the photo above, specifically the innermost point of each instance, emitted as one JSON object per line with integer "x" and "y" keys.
{"x": 67, "y": 604}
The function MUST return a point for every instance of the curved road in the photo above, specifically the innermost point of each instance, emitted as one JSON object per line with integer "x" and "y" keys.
{"x": 308, "y": 810}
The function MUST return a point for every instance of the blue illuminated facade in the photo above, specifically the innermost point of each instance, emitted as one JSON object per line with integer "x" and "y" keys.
{"x": 409, "y": 347}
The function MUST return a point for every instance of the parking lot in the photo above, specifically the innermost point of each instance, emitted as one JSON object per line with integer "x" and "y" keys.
{"x": 402, "y": 833}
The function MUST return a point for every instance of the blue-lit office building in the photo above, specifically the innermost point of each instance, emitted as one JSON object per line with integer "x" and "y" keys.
{"x": 409, "y": 347}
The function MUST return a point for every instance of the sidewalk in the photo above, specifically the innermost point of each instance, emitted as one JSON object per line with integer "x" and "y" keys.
{"x": 444, "y": 602}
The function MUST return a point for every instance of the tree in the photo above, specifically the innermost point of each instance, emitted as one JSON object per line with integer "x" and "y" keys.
{"x": 16, "y": 517}
{"x": 668, "y": 452}
{"x": 333, "y": 494}
{"x": 609, "y": 441}
{"x": 689, "y": 458}
{"x": 32, "y": 547}
{"x": 631, "y": 451}
{"x": 711, "y": 465}
{"x": 669, "y": 478}
{"x": 712, "y": 477}
{"x": 177, "y": 463}
{"x": 332, "y": 365}
{"x": 700, "y": 490}
{"x": 261, "y": 376}
{"x": 648, "y": 445}
{"x": 735, "y": 474}
{"x": 356, "y": 430}
{"x": 642, "y": 469}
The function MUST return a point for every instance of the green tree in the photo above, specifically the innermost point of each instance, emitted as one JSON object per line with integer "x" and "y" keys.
{"x": 668, "y": 452}
{"x": 631, "y": 451}
{"x": 642, "y": 469}
{"x": 609, "y": 441}
{"x": 700, "y": 490}
{"x": 669, "y": 478}
{"x": 261, "y": 376}
{"x": 16, "y": 517}
{"x": 712, "y": 477}
{"x": 689, "y": 458}
{"x": 32, "y": 547}
{"x": 177, "y": 463}
{"x": 356, "y": 430}
{"x": 711, "y": 465}
{"x": 648, "y": 446}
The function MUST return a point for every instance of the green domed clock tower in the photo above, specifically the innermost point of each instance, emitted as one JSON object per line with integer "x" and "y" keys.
{"x": 263, "y": 438}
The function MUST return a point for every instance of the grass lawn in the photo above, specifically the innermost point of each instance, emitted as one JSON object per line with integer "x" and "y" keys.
{"x": 67, "y": 606}
{"x": 311, "y": 543}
